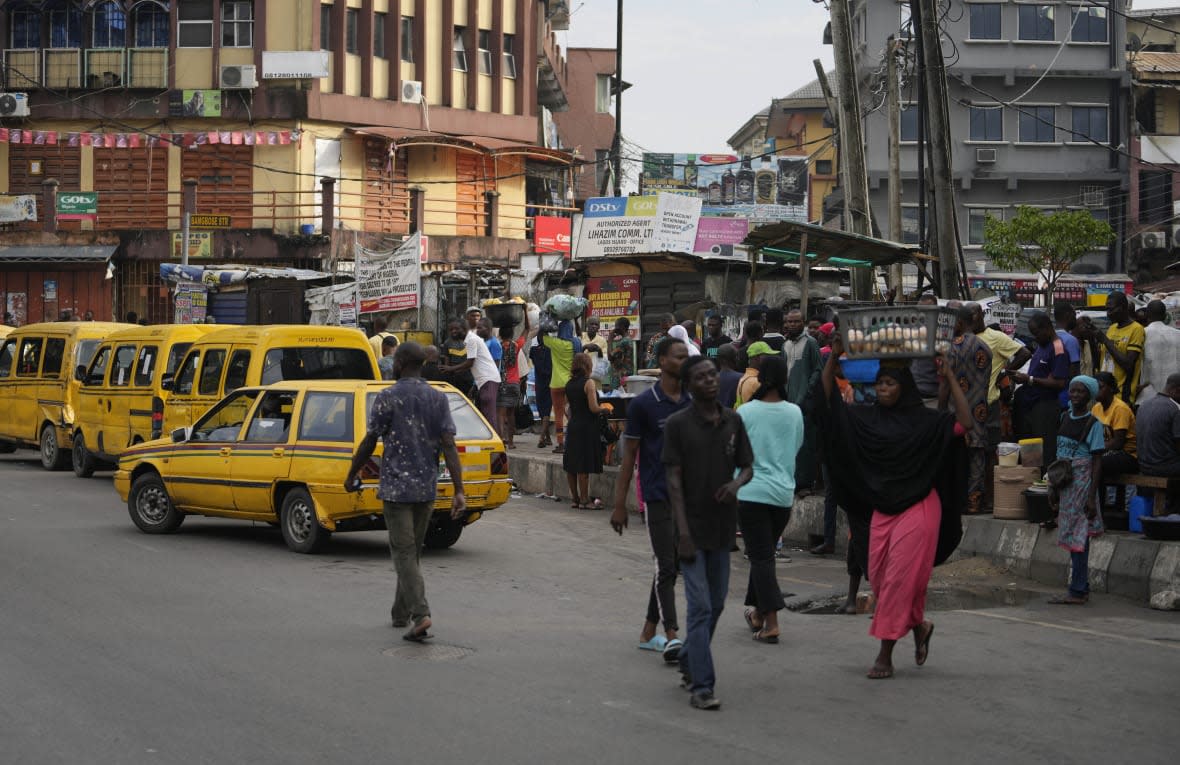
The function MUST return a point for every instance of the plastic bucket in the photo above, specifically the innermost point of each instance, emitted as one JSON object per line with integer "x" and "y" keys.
{"x": 1140, "y": 506}
{"x": 1008, "y": 454}
{"x": 1032, "y": 452}
{"x": 860, "y": 370}
{"x": 307, "y": 229}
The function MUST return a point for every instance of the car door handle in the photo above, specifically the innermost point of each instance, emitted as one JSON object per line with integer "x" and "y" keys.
{"x": 108, "y": 405}
{"x": 225, "y": 450}
{"x": 279, "y": 452}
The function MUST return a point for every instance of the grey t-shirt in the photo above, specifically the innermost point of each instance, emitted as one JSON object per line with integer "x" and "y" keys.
{"x": 1157, "y": 428}
{"x": 925, "y": 376}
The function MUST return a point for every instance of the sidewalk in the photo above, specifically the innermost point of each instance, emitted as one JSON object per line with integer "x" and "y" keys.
{"x": 1124, "y": 564}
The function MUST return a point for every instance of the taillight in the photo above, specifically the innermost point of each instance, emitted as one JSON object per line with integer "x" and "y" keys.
{"x": 499, "y": 463}
{"x": 157, "y": 416}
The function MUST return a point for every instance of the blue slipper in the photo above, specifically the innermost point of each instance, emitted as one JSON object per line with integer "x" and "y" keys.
{"x": 657, "y": 644}
{"x": 672, "y": 650}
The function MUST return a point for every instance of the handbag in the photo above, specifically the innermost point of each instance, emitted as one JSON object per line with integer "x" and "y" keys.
{"x": 601, "y": 369}
{"x": 606, "y": 433}
{"x": 524, "y": 417}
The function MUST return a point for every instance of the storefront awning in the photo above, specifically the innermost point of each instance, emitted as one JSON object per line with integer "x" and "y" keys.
{"x": 496, "y": 147}
{"x": 786, "y": 240}
{"x": 33, "y": 253}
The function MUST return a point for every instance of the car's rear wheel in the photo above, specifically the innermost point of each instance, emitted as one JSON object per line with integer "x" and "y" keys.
{"x": 297, "y": 520}
{"x": 150, "y": 506}
{"x": 83, "y": 462}
{"x": 443, "y": 534}
{"x": 52, "y": 457}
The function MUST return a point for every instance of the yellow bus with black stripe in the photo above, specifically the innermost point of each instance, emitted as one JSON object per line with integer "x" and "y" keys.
{"x": 123, "y": 391}
{"x": 38, "y": 385}
{"x": 280, "y": 454}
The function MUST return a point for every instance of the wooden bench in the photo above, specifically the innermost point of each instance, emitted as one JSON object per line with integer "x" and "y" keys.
{"x": 1158, "y": 483}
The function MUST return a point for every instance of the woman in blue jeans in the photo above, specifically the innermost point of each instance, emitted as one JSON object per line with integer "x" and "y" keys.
{"x": 1080, "y": 442}
{"x": 775, "y": 428}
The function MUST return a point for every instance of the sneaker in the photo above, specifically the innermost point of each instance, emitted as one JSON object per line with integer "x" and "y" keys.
{"x": 705, "y": 700}
{"x": 672, "y": 650}
{"x": 685, "y": 680}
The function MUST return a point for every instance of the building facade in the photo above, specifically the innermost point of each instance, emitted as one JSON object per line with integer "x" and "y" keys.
{"x": 423, "y": 115}
{"x": 1038, "y": 98}
{"x": 588, "y": 126}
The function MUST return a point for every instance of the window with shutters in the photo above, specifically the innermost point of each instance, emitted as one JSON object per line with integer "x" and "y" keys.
{"x": 387, "y": 196}
{"x": 132, "y": 186}
{"x": 225, "y": 180}
{"x": 58, "y": 161}
{"x": 474, "y": 174}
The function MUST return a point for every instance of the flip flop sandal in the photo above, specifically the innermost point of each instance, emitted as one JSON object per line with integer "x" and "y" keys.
{"x": 771, "y": 639}
{"x": 750, "y": 622}
{"x": 922, "y": 652}
{"x": 672, "y": 650}
{"x": 656, "y": 644}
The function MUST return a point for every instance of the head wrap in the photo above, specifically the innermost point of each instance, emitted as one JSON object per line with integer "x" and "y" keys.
{"x": 1090, "y": 383}
{"x": 828, "y": 328}
{"x": 905, "y": 378}
{"x": 681, "y": 334}
{"x": 759, "y": 349}
{"x": 565, "y": 331}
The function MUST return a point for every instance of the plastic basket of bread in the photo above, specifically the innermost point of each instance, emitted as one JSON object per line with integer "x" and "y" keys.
{"x": 896, "y": 332}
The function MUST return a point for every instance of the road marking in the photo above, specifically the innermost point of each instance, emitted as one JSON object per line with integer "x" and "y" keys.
{"x": 1079, "y": 630}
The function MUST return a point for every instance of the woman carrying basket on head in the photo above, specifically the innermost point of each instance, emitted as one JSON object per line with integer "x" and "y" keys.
{"x": 904, "y": 465}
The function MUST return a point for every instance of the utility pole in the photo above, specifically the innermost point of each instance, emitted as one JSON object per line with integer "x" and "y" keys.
{"x": 946, "y": 244}
{"x": 616, "y": 148}
{"x": 852, "y": 146}
{"x": 893, "y": 88}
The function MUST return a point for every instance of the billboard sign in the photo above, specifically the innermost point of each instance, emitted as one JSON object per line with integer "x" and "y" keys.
{"x": 613, "y": 297}
{"x": 552, "y": 234}
{"x": 389, "y": 281}
{"x": 77, "y": 205}
{"x": 768, "y": 188}
{"x": 716, "y": 237}
{"x": 15, "y": 209}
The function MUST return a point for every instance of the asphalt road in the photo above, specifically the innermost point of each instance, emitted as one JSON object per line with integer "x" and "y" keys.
{"x": 217, "y": 645}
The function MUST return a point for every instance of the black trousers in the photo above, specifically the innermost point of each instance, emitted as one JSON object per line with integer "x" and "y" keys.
{"x": 664, "y": 537}
{"x": 762, "y": 525}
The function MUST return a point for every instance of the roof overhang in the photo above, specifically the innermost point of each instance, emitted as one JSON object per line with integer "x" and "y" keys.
{"x": 495, "y": 147}
{"x": 56, "y": 254}
{"x": 786, "y": 240}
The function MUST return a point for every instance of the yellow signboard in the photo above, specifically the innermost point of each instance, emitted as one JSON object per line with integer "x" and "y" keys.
{"x": 208, "y": 221}
{"x": 200, "y": 244}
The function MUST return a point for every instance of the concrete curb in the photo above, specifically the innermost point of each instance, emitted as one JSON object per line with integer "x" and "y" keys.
{"x": 1120, "y": 563}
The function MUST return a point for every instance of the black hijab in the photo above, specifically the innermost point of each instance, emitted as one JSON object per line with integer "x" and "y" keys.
{"x": 888, "y": 458}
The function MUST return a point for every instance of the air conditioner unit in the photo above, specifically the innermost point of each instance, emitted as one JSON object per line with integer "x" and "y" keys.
{"x": 412, "y": 92}
{"x": 1176, "y": 237}
{"x": 1153, "y": 240}
{"x": 239, "y": 77}
{"x": 14, "y": 104}
{"x": 985, "y": 156}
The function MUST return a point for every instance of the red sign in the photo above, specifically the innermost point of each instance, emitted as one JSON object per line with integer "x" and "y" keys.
{"x": 552, "y": 234}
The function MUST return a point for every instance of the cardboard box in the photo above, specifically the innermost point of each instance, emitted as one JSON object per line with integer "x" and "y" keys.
{"x": 1009, "y": 486}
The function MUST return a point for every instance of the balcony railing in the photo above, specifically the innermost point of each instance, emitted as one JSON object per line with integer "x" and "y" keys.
{"x": 93, "y": 68}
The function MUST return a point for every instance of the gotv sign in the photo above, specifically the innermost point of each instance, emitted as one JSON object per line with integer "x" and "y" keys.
{"x": 77, "y": 205}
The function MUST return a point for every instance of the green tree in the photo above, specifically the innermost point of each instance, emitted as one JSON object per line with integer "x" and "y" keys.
{"x": 1045, "y": 243}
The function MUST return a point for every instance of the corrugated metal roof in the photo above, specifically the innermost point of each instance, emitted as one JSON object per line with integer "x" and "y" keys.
{"x": 1147, "y": 62}
{"x": 48, "y": 254}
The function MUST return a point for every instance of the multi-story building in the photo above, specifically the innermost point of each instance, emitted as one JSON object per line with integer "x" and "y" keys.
{"x": 1153, "y": 230}
{"x": 425, "y": 115}
{"x": 1038, "y": 97}
{"x": 588, "y": 126}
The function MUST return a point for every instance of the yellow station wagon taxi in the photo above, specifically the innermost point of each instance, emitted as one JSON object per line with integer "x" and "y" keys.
{"x": 280, "y": 454}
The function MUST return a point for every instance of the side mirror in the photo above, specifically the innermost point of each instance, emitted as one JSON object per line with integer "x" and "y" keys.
{"x": 80, "y": 373}
{"x": 166, "y": 383}
{"x": 180, "y": 435}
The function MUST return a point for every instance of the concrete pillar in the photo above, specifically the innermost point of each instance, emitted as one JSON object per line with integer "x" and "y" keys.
{"x": 49, "y": 205}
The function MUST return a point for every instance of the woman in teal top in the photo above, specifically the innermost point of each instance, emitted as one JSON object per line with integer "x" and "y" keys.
{"x": 775, "y": 428}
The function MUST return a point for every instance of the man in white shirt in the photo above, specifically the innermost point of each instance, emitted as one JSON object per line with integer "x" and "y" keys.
{"x": 1161, "y": 352}
{"x": 483, "y": 369}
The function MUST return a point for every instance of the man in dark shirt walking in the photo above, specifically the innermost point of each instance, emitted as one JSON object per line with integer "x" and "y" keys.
{"x": 704, "y": 446}
{"x": 727, "y": 365}
{"x": 714, "y": 337}
{"x": 414, "y": 422}
{"x": 643, "y": 440}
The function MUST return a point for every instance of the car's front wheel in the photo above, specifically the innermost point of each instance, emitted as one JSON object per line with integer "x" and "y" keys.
{"x": 52, "y": 457}
{"x": 297, "y": 520}
{"x": 150, "y": 506}
{"x": 443, "y": 534}
{"x": 83, "y": 462}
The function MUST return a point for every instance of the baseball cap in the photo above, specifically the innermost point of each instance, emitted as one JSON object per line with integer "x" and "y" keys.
{"x": 759, "y": 349}
{"x": 474, "y": 308}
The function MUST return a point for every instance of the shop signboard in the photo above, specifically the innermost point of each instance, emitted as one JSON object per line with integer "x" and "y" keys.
{"x": 194, "y": 103}
{"x": 77, "y": 205}
{"x": 616, "y": 226}
{"x": 551, "y": 234}
{"x": 612, "y": 298}
{"x": 676, "y": 223}
{"x": 200, "y": 244}
{"x": 18, "y": 208}
{"x": 716, "y": 237}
